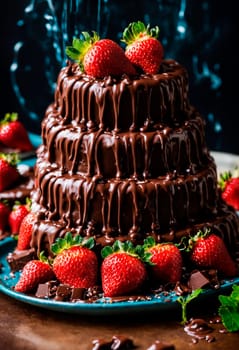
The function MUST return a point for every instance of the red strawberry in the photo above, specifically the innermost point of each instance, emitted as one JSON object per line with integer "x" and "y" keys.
{"x": 166, "y": 261}
{"x": 100, "y": 57}
{"x": 25, "y": 231}
{"x": 122, "y": 271}
{"x": 75, "y": 263}
{"x": 13, "y": 133}
{"x": 33, "y": 273}
{"x": 8, "y": 171}
{"x": 229, "y": 184}
{"x": 19, "y": 211}
{"x": 143, "y": 48}
{"x": 209, "y": 251}
{"x": 4, "y": 214}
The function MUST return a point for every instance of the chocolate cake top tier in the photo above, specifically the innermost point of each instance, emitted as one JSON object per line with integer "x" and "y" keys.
{"x": 141, "y": 102}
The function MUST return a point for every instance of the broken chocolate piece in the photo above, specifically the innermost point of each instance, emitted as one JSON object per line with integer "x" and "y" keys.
{"x": 78, "y": 294}
{"x": 63, "y": 292}
{"x": 47, "y": 290}
{"x": 18, "y": 258}
{"x": 43, "y": 291}
{"x": 197, "y": 280}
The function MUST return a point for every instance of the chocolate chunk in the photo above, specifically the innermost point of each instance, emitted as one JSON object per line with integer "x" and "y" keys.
{"x": 158, "y": 345}
{"x": 43, "y": 291}
{"x": 47, "y": 290}
{"x": 212, "y": 275}
{"x": 78, "y": 294}
{"x": 18, "y": 258}
{"x": 63, "y": 292}
{"x": 197, "y": 280}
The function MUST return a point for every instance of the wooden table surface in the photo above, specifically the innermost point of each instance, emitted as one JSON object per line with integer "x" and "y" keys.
{"x": 26, "y": 327}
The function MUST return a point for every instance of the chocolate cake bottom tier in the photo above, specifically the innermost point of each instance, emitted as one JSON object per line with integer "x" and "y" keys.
{"x": 122, "y": 207}
{"x": 225, "y": 224}
{"x": 143, "y": 154}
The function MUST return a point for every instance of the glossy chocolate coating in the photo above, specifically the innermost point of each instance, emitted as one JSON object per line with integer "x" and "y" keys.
{"x": 124, "y": 158}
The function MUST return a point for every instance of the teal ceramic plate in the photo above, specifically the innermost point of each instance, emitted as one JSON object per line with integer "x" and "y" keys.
{"x": 103, "y": 306}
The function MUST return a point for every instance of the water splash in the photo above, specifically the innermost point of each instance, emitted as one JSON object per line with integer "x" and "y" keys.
{"x": 48, "y": 26}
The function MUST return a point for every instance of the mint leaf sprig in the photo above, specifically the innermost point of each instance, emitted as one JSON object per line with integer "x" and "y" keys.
{"x": 229, "y": 309}
{"x": 184, "y": 302}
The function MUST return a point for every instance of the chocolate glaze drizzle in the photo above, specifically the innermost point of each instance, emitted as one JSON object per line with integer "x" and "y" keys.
{"x": 123, "y": 103}
{"x": 141, "y": 154}
{"x": 123, "y": 158}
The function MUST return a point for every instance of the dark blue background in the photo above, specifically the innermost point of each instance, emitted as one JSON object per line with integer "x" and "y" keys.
{"x": 208, "y": 50}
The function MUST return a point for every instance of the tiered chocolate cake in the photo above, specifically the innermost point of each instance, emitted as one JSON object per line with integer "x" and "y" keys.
{"x": 124, "y": 158}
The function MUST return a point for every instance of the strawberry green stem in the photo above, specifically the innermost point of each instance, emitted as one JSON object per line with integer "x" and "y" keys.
{"x": 137, "y": 30}
{"x": 68, "y": 241}
{"x": 8, "y": 118}
{"x": 187, "y": 243}
{"x": 11, "y": 158}
{"x": 80, "y": 47}
{"x": 223, "y": 179}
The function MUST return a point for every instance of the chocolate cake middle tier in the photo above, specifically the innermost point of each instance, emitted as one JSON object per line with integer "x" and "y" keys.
{"x": 142, "y": 155}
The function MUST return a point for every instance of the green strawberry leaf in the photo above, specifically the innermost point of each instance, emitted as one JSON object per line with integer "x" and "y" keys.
{"x": 107, "y": 250}
{"x": 73, "y": 53}
{"x": 68, "y": 241}
{"x": 86, "y": 242}
{"x": 12, "y": 158}
{"x": 119, "y": 246}
{"x": 8, "y": 118}
{"x": 80, "y": 47}
{"x": 229, "y": 309}
{"x": 135, "y": 30}
{"x": 149, "y": 242}
{"x": 223, "y": 179}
